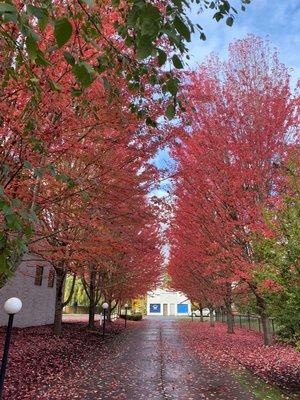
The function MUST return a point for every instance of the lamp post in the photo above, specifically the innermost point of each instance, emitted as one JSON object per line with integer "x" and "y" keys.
{"x": 126, "y": 309}
{"x": 12, "y": 306}
{"x": 105, "y": 307}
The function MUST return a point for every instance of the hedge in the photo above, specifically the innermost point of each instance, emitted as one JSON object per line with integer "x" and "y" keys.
{"x": 133, "y": 317}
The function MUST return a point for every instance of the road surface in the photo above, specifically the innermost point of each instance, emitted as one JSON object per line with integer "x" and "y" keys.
{"x": 154, "y": 364}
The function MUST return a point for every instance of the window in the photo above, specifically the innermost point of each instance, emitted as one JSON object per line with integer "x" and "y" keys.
{"x": 182, "y": 309}
{"x": 51, "y": 277}
{"x": 155, "y": 308}
{"x": 39, "y": 275}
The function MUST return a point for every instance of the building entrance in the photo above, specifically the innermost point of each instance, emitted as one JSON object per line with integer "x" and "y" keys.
{"x": 165, "y": 309}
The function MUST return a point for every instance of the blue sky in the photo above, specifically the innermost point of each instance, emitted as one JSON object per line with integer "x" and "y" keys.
{"x": 277, "y": 19}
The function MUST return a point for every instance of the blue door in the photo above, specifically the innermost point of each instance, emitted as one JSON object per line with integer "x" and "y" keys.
{"x": 182, "y": 309}
{"x": 155, "y": 308}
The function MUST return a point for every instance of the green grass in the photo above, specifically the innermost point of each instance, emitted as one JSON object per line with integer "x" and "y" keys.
{"x": 259, "y": 388}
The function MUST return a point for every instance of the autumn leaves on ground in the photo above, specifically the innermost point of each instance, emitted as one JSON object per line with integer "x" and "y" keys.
{"x": 43, "y": 367}
{"x": 91, "y": 92}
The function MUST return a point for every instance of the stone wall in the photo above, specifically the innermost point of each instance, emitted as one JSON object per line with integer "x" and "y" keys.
{"x": 38, "y": 301}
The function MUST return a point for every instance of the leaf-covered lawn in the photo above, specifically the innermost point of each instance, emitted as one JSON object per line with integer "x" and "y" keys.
{"x": 40, "y": 363}
{"x": 278, "y": 364}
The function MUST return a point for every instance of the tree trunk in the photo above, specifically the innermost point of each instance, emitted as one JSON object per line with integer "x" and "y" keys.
{"x": 228, "y": 305}
{"x": 60, "y": 279}
{"x": 59, "y": 298}
{"x": 92, "y": 305}
{"x": 92, "y": 308}
{"x": 230, "y": 321}
{"x": 211, "y": 317}
{"x": 201, "y": 314}
{"x": 119, "y": 309}
{"x": 218, "y": 314}
{"x": 265, "y": 321}
{"x": 266, "y": 327}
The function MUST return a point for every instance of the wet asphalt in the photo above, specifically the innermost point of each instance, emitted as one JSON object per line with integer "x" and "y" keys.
{"x": 154, "y": 364}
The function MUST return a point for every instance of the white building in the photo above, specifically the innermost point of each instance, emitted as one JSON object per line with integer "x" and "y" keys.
{"x": 34, "y": 283}
{"x": 167, "y": 302}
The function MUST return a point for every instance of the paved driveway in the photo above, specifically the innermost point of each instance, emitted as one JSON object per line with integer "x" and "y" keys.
{"x": 153, "y": 364}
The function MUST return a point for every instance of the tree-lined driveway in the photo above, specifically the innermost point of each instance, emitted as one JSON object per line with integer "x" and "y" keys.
{"x": 155, "y": 365}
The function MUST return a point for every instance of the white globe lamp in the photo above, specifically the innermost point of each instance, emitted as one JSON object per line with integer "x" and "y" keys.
{"x": 13, "y": 306}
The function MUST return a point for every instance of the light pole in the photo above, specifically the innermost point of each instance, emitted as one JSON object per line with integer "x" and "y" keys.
{"x": 126, "y": 309}
{"x": 105, "y": 307}
{"x": 12, "y": 306}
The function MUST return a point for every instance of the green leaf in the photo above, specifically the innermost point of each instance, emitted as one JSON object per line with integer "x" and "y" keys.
{"x": 34, "y": 52}
{"x": 170, "y": 111}
{"x": 53, "y": 85}
{"x": 144, "y": 48}
{"x": 153, "y": 80}
{"x": 177, "y": 62}
{"x": 41, "y": 14}
{"x": 132, "y": 17}
{"x": 84, "y": 73}
{"x": 37, "y": 144}
{"x": 27, "y": 165}
{"x": 38, "y": 12}
{"x": 150, "y": 28}
{"x": 4, "y": 266}
{"x": 115, "y": 3}
{"x": 40, "y": 59}
{"x": 9, "y": 12}
{"x": 39, "y": 172}
{"x": 32, "y": 48}
{"x": 106, "y": 83}
{"x": 150, "y": 122}
{"x": 151, "y": 12}
{"x": 171, "y": 86}
{"x": 6, "y": 209}
{"x": 7, "y": 8}
{"x": 229, "y": 21}
{"x": 28, "y": 231}
{"x": 69, "y": 58}
{"x": 63, "y": 178}
{"x": 218, "y": 16}
{"x": 182, "y": 28}
{"x": 62, "y": 31}
{"x": 162, "y": 57}
{"x": 13, "y": 222}
{"x": 76, "y": 92}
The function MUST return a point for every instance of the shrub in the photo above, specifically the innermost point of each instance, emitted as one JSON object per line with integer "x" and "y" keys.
{"x": 133, "y": 317}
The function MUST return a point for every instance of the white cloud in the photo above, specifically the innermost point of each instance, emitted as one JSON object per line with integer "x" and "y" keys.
{"x": 274, "y": 18}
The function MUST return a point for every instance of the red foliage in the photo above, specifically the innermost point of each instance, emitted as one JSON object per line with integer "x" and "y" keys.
{"x": 278, "y": 364}
{"x": 82, "y": 163}
{"x": 242, "y": 115}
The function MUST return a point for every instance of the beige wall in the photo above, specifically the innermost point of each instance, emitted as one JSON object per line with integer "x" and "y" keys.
{"x": 38, "y": 301}
{"x": 170, "y": 298}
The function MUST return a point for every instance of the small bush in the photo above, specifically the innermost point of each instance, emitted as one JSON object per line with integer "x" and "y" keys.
{"x": 133, "y": 317}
